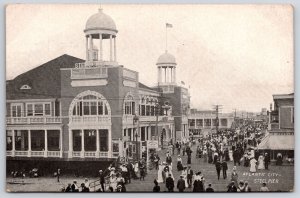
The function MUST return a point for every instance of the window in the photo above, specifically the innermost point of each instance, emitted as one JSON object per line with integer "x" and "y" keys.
{"x": 129, "y": 106}
{"x": 24, "y": 87}
{"x": 90, "y": 105}
{"x": 16, "y": 110}
{"x": 103, "y": 136}
{"x": 38, "y": 109}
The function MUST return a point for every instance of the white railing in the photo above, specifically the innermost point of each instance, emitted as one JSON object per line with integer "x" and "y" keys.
{"x": 33, "y": 120}
{"x": 103, "y": 154}
{"x": 53, "y": 154}
{"x": 85, "y": 119}
{"x": 90, "y": 154}
{"x": 21, "y": 153}
{"x": 37, "y": 153}
{"x": 8, "y": 153}
{"x": 76, "y": 153}
{"x": 91, "y": 64}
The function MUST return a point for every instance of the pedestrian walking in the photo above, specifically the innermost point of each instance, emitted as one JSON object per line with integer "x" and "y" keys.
{"x": 156, "y": 187}
{"x": 170, "y": 183}
{"x": 224, "y": 168}
{"x": 218, "y": 168}
{"x": 190, "y": 174}
{"x": 102, "y": 180}
{"x": 181, "y": 184}
{"x": 58, "y": 174}
{"x": 267, "y": 161}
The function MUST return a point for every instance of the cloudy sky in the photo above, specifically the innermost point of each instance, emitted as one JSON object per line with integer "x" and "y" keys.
{"x": 233, "y": 55}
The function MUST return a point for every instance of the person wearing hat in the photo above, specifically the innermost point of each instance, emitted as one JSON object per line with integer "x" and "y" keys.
{"x": 156, "y": 187}
{"x": 102, "y": 180}
{"x": 209, "y": 188}
{"x": 181, "y": 184}
{"x": 170, "y": 183}
{"x": 86, "y": 185}
{"x": 231, "y": 187}
{"x": 190, "y": 174}
{"x": 198, "y": 184}
{"x": 184, "y": 174}
{"x": 113, "y": 182}
{"x": 74, "y": 186}
{"x": 179, "y": 163}
{"x": 234, "y": 175}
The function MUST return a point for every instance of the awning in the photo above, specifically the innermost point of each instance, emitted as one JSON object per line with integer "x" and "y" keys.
{"x": 277, "y": 142}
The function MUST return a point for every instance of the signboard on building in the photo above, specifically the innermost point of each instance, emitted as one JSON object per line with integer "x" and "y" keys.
{"x": 152, "y": 144}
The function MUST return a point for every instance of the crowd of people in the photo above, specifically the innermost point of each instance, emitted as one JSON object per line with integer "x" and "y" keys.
{"x": 237, "y": 146}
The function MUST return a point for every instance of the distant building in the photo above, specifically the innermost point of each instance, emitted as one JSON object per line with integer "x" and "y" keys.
{"x": 204, "y": 122}
{"x": 281, "y": 127}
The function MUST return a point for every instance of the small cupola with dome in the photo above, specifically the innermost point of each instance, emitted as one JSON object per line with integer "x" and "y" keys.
{"x": 100, "y": 29}
{"x": 166, "y": 65}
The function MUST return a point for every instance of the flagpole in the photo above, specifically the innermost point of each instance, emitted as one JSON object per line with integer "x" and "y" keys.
{"x": 166, "y": 38}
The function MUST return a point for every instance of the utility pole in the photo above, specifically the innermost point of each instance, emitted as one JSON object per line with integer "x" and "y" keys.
{"x": 217, "y": 108}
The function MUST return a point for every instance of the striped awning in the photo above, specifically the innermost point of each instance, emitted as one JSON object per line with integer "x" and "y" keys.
{"x": 277, "y": 142}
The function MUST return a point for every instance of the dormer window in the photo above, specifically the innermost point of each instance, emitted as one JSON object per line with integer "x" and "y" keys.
{"x": 25, "y": 87}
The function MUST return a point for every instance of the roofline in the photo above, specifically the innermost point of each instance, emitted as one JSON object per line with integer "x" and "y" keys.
{"x": 283, "y": 96}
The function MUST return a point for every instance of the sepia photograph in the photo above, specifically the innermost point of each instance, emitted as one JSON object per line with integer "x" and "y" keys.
{"x": 175, "y": 98}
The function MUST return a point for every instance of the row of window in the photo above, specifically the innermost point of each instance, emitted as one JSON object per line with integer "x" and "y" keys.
{"x": 207, "y": 122}
{"x": 37, "y": 109}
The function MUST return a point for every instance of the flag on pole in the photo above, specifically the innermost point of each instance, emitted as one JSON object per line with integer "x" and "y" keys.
{"x": 182, "y": 83}
{"x": 168, "y": 25}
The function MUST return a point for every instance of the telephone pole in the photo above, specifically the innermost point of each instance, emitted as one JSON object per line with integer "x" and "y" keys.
{"x": 217, "y": 108}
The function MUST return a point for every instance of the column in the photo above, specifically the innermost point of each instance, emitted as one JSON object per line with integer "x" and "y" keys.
{"x": 171, "y": 74}
{"x": 87, "y": 48}
{"x": 158, "y": 74}
{"x": 174, "y": 75}
{"x": 70, "y": 155}
{"x": 46, "y": 144}
{"x": 100, "y": 48}
{"x": 203, "y": 123}
{"x": 97, "y": 144}
{"x": 109, "y": 143}
{"x": 82, "y": 144}
{"x": 91, "y": 49}
{"x": 110, "y": 44}
{"x": 60, "y": 143}
{"x": 211, "y": 123}
{"x": 29, "y": 143}
{"x": 115, "y": 49}
{"x": 13, "y": 149}
{"x": 165, "y": 74}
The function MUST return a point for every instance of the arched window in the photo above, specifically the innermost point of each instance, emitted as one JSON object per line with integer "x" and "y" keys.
{"x": 129, "y": 105}
{"x": 90, "y": 105}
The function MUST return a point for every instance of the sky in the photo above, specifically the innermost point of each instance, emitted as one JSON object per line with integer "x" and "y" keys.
{"x": 236, "y": 56}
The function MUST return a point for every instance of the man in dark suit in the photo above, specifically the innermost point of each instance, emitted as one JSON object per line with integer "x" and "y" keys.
{"x": 181, "y": 184}
{"x": 267, "y": 160}
{"x": 218, "y": 168}
{"x": 224, "y": 168}
{"x": 190, "y": 174}
{"x": 170, "y": 183}
{"x": 169, "y": 159}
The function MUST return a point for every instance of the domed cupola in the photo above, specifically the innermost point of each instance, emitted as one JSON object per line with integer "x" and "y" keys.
{"x": 100, "y": 30}
{"x": 166, "y": 65}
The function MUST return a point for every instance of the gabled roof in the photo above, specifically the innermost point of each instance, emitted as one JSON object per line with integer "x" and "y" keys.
{"x": 44, "y": 80}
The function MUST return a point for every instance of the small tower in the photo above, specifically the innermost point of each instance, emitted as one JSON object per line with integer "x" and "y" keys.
{"x": 99, "y": 28}
{"x": 166, "y": 65}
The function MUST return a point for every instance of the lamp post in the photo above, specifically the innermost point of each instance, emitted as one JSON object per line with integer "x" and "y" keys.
{"x": 136, "y": 120}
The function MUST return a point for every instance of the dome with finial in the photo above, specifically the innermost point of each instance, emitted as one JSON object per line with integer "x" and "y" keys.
{"x": 166, "y": 58}
{"x": 100, "y": 21}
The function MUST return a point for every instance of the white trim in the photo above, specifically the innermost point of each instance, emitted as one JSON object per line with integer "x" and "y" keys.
{"x": 33, "y": 109}
{"x": 31, "y": 100}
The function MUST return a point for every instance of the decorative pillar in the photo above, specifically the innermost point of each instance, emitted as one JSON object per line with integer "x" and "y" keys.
{"x": 115, "y": 49}
{"x": 171, "y": 74}
{"x": 87, "y": 48}
{"x": 110, "y": 44}
{"x": 82, "y": 144}
{"x": 70, "y": 155}
{"x": 60, "y": 143}
{"x": 174, "y": 74}
{"x": 46, "y": 144}
{"x": 100, "y": 47}
{"x": 29, "y": 143}
{"x": 13, "y": 144}
{"x": 109, "y": 143}
{"x": 165, "y": 74}
{"x": 91, "y": 48}
{"x": 97, "y": 144}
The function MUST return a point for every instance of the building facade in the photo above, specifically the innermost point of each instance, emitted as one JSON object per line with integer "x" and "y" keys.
{"x": 70, "y": 109}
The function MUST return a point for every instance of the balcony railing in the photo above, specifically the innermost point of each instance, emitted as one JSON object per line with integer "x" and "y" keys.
{"x": 87, "y": 119}
{"x": 274, "y": 126}
{"x": 34, "y": 153}
{"x": 33, "y": 120}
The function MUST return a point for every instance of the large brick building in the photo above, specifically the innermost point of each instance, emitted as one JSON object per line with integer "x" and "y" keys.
{"x": 74, "y": 110}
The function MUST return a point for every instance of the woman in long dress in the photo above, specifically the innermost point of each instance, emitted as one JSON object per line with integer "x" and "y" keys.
{"x": 234, "y": 176}
{"x": 179, "y": 164}
{"x": 230, "y": 155}
{"x": 261, "y": 162}
{"x": 253, "y": 165}
{"x": 159, "y": 173}
{"x": 184, "y": 174}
